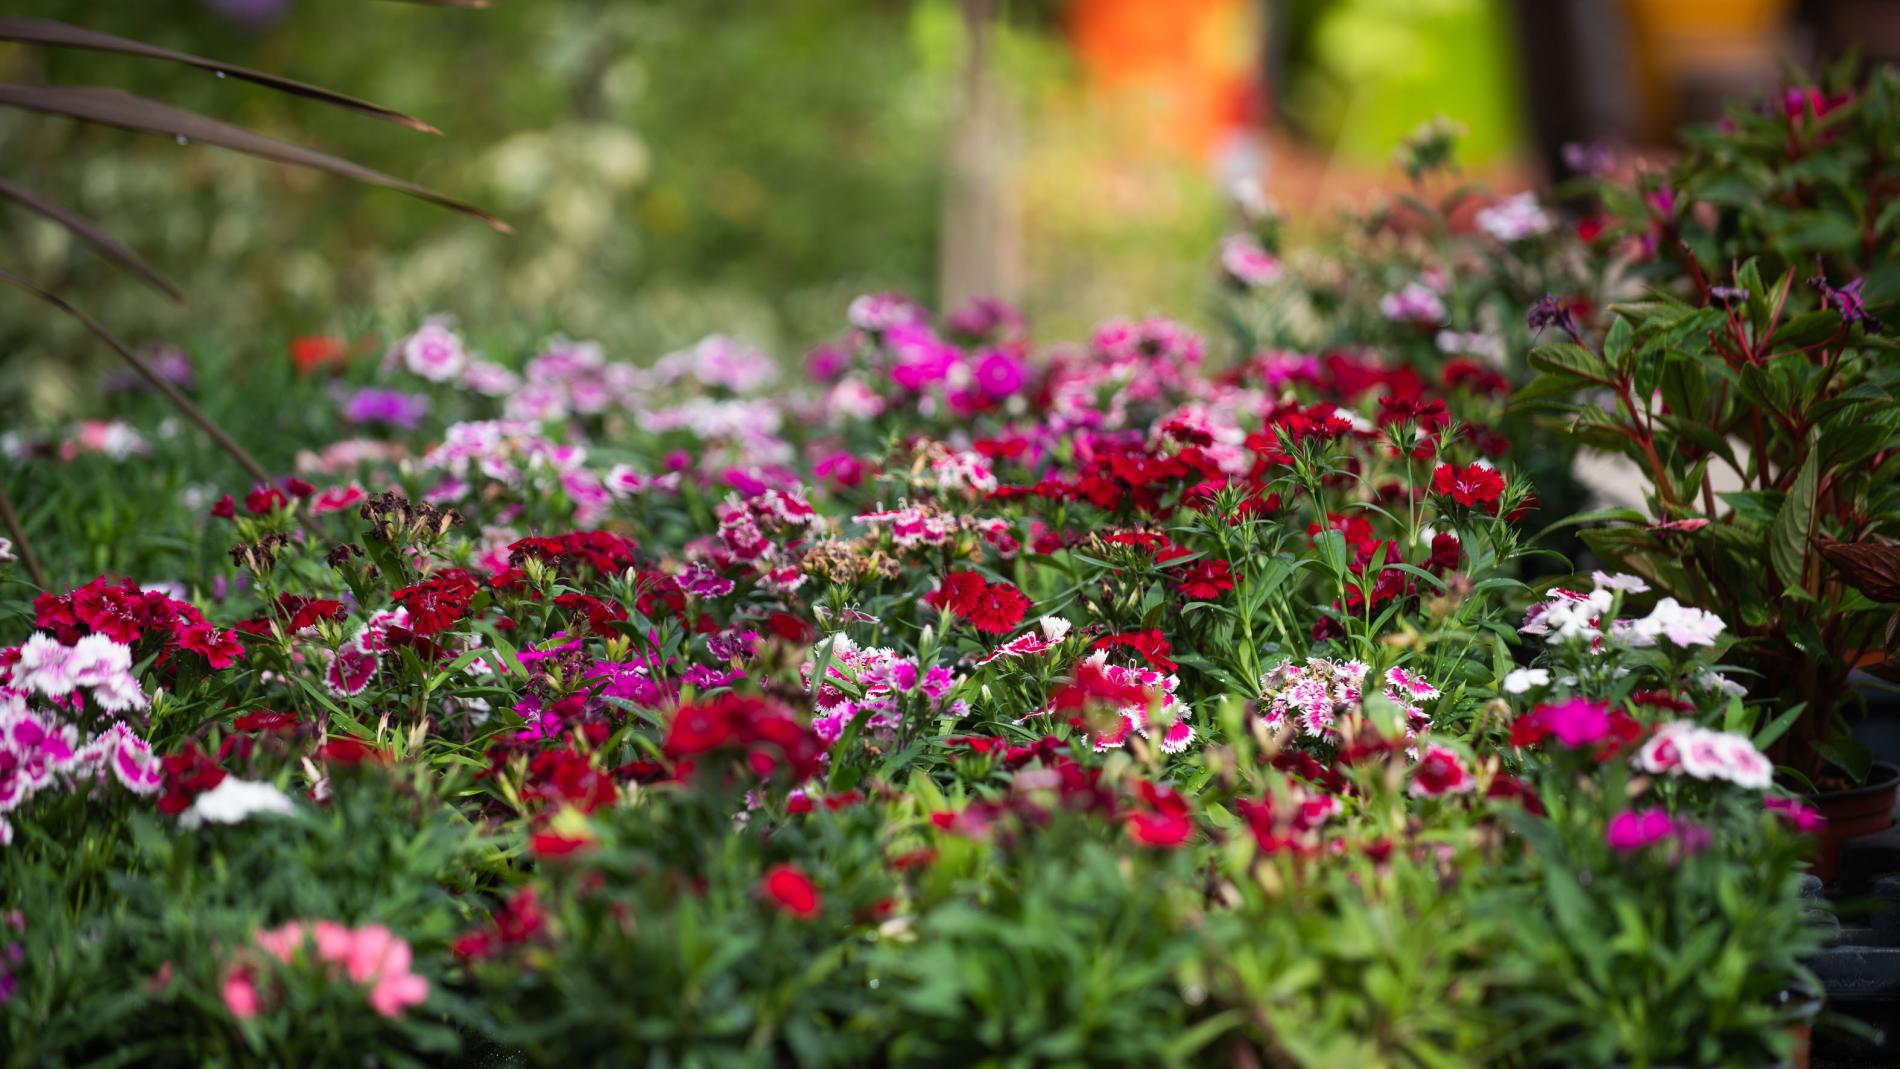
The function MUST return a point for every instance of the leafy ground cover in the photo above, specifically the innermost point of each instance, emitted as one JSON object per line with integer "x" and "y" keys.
{"x": 1148, "y": 699}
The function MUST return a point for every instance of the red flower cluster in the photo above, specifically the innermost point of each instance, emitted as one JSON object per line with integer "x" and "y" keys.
{"x": 762, "y": 732}
{"x": 1464, "y": 373}
{"x": 1206, "y": 579}
{"x": 297, "y": 613}
{"x": 438, "y": 602}
{"x": 1162, "y": 820}
{"x": 516, "y": 923}
{"x": 188, "y": 774}
{"x": 1475, "y": 486}
{"x": 265, "y": 720}
{"x": 1092, "y": 684}
{"x": 605, "y": 552}
{"x": 791, "y": 892}
{"x": 991, "y": 608}
{"x": 1120, "y": 473}
{"x": 1428, "y": 417}
{"x": 1291, "y": 825}
{"x": 567, "y": 777}
{"x": 601, "y": 613}
{"x": 124, "y": 613}
{"x": 1152, "y": 644}
{"x": 1014, "y": 756}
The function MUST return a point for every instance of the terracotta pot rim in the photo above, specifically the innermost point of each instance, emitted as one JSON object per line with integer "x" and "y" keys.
{"x": 1888, "y": 772}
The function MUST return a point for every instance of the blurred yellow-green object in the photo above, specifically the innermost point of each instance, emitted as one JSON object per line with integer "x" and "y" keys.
{"x": 1379, "y": 68}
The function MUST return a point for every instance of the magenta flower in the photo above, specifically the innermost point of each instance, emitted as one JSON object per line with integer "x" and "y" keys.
{"x": 1000, "y": 374}
{"x": 1805, "y": 818}
{"x": 1634, "y": 829}
{"x": 1577, "y": 722}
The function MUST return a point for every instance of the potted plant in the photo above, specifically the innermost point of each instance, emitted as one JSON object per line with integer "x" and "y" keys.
{"x": 1753, "y": 390}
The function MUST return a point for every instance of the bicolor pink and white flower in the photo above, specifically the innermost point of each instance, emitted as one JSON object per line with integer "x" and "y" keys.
{"x": 434, "y": 351}
{"x": 1684, "y": 748}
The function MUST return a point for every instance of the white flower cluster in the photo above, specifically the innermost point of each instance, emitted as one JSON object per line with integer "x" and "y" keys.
{"x": 1573, "y": 616}
{"x": 94, "y": 663}
{"x": 1514, "y": 218}
{"x": 1683, "y": 748}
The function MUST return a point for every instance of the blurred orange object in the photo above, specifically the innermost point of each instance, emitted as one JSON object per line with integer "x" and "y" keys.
{"x": 1183, "y": 70}
{"x": 311, "y": 351}
{"x": 1711, "y": 49}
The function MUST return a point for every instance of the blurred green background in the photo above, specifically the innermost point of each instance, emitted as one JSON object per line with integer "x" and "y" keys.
{"x": 679, "y": 167}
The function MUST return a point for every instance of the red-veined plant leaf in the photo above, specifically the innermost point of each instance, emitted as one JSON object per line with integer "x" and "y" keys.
{"x": 61, "y": 35}
{"x": 89, "y": 232}
{"x": 1873, "y": 568}
{"x": 113, "y": 107}
{"x": 159, "y": 382}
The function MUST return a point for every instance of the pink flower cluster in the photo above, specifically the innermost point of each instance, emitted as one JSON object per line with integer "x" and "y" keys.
{"x": 38, "y": 753}
{"x": 882, "y": 677}
{"x": 370, "y": 956}
{"x": 1683, "y": 748}
{"x": 1315, "y": 694}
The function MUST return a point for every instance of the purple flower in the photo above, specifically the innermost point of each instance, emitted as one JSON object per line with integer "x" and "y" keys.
{"x": 1550, "y": 312}
{"x": 1587, "y": 157}
{"x": 1847, "y": 302}
{"x": 393, "y": 408}
{"x": 169, "y": 361}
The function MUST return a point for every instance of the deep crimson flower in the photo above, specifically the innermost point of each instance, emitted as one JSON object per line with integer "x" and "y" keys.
{"x": 1445, "y": 553}
{"x": 1477, "y": 486}
{"x": 220, "y": 649}
{"x": 188, "y": 773}
{"x": 301, "y": 612}
{"x": 264, "y": 500}
{"x": 343, "y": 750}
{"x": 547, "y": 844}
{"x": 265, "y": 720}
{"x": 601, "y": 613}
{"x": 991, "y": 608}
{"x": 224, "y": 508}
{"x": 793, "y": 629}
{"x": 1505, "y": 787}
{"x": 762, "y": 733}
{"x": 1164, "y": 822}
{"x": 568, "y": 777}
{"x": 519, "y": 920}
{"x": 791, "y": 891}
{"x": 438, "y": 602}
{"x": 1464, "y": 373}
{"x": 1153, "y": 646}
{"x": 1206, "y": 579}
{"x": 1438, "y": 773}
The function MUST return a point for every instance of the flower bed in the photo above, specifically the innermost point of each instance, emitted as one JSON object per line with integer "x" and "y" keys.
{"x": 1151, "y": 700}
